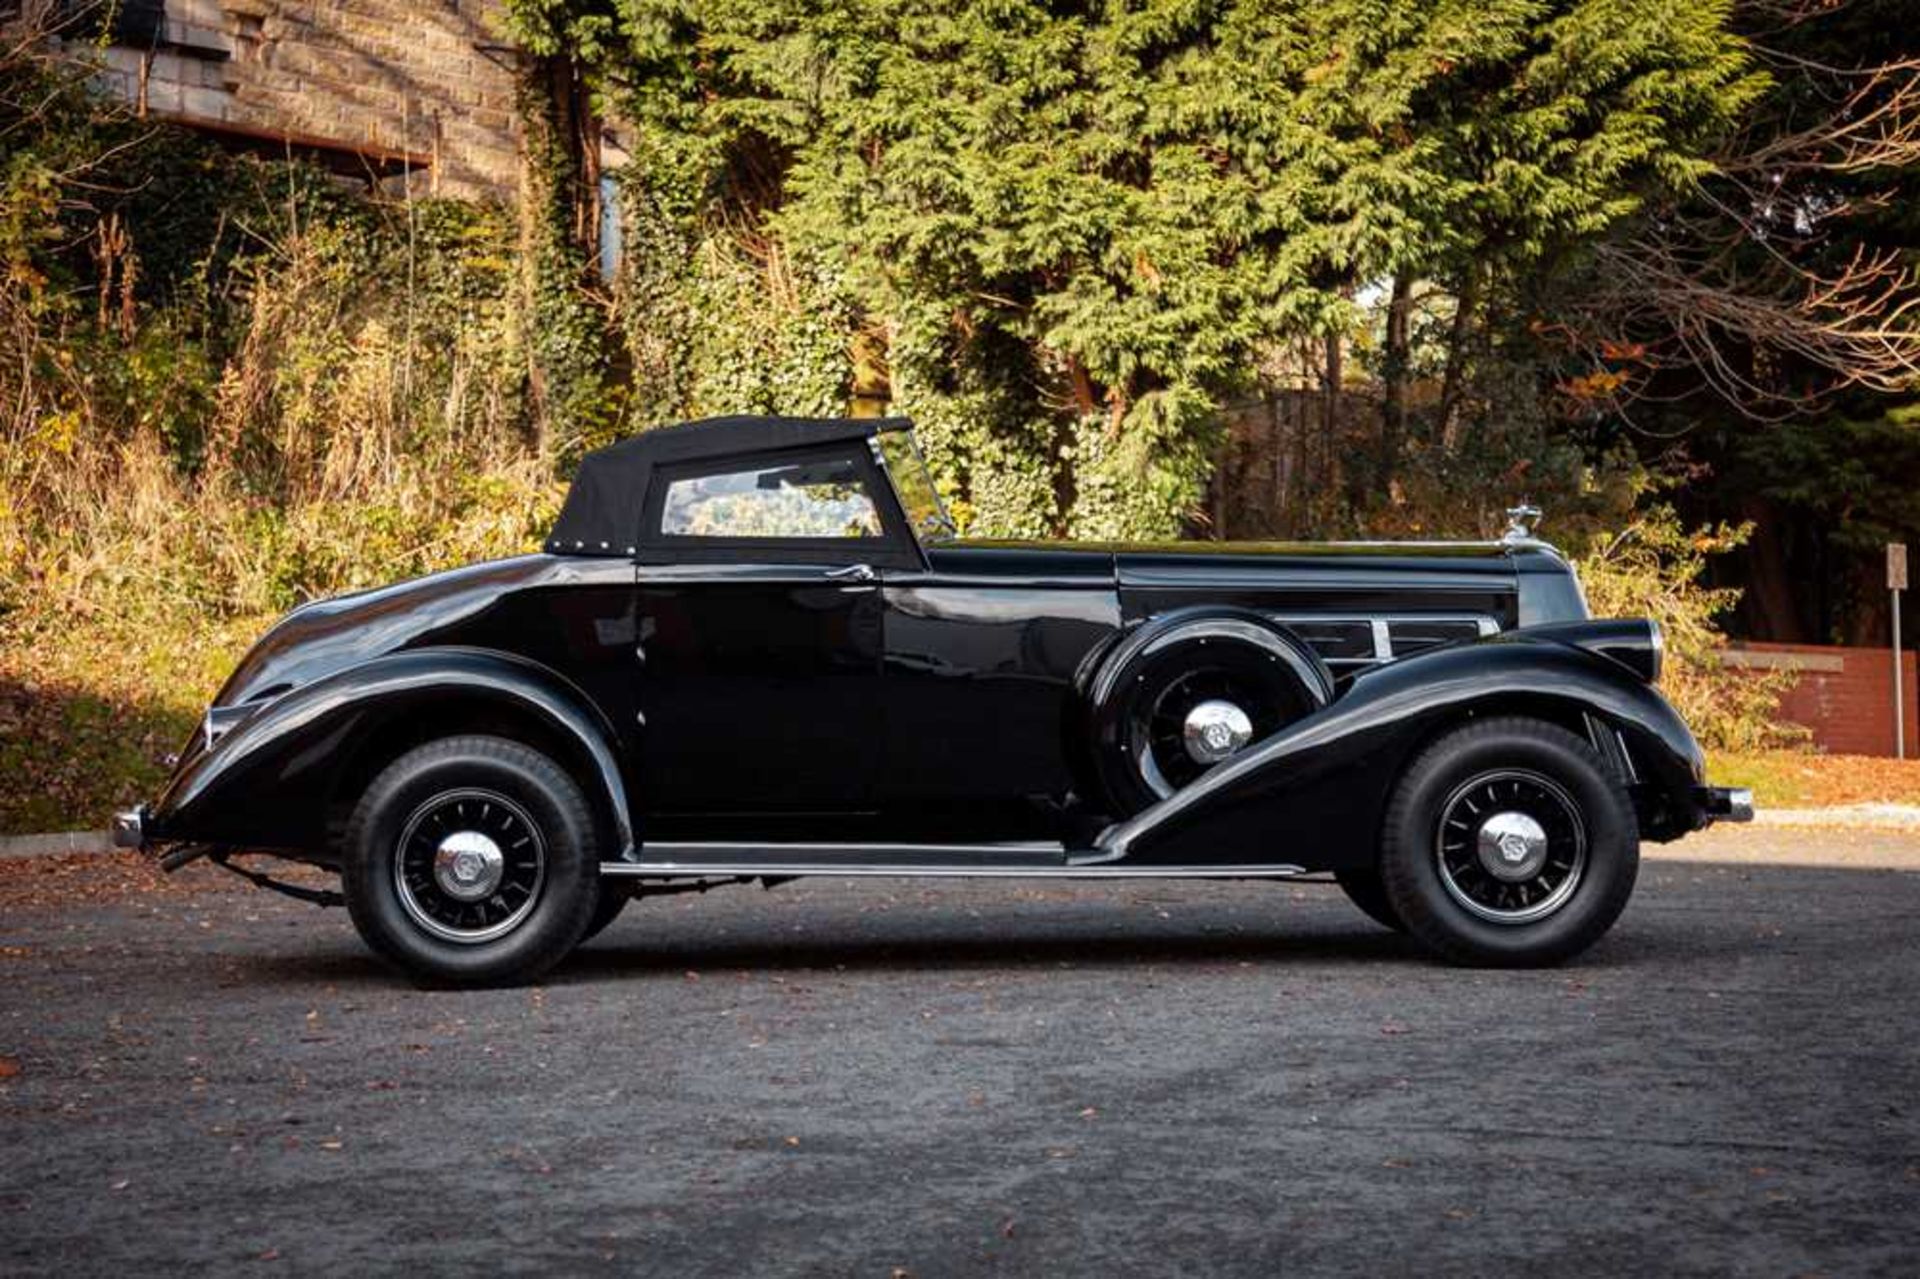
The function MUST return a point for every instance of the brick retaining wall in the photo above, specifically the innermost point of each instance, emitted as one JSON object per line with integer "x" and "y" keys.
{"x": 1845, "y": 695}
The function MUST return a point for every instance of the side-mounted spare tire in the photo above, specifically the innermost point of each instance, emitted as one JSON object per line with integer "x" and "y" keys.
{"x": 1190, "y": 690}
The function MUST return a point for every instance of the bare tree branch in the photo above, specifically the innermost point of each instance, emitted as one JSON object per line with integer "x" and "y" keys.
{"x": 1748, "y": 284}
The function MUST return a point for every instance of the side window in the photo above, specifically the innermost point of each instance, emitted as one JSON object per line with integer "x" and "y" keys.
{"x": 821, "y": 498}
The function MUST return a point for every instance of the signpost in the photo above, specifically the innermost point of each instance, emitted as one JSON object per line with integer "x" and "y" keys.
{"x": 1897, "y": 582}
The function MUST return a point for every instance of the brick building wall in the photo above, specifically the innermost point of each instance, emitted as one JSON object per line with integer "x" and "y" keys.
{"x": 384, "y": 88}
{"x": 1845, "y": 695}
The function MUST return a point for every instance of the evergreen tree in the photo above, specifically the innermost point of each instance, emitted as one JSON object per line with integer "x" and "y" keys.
{"x": 1072, "y": 227}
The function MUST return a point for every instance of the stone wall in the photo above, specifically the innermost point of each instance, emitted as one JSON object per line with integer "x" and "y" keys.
{"x": 398, "y": 91}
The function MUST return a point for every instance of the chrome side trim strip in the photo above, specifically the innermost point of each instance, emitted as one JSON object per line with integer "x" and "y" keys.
{"x": 1380, "y": 627}
{"x": 1038, "y": 852}
{"x": 1487, "y": 625}
{"x": 750, "y": 869}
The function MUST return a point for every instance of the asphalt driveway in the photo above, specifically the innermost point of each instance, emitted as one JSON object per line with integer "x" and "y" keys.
{"x": 858, "y": 1077}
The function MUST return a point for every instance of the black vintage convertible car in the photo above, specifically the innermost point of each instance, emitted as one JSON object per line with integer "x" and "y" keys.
{"x": 753, "y": 649}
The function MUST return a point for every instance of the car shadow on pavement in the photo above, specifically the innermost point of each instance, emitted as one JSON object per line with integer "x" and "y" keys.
{"x": 1744, "y": 916}
{"x": 616, "y": 956}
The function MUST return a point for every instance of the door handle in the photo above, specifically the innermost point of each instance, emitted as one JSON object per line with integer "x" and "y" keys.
{"x": 852, "y": 573}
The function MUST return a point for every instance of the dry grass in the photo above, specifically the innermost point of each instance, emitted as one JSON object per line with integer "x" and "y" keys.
{"x": 89, "y": 706}
{"x": 1787, "y": 779}
{"x": 337, "y": 449}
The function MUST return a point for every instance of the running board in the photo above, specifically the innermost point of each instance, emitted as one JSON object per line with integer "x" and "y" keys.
{"x": 966, "y": 861}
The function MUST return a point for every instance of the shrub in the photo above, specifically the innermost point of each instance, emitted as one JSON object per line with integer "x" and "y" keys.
{"x": 1652, "y": 568}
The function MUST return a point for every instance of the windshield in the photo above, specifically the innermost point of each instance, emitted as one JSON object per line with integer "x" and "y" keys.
{"x": 914, "y": 483}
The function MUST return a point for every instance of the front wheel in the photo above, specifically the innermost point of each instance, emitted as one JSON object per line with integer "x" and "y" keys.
{"x": 472, "y": 861}
{"x": 1507, "y": 843}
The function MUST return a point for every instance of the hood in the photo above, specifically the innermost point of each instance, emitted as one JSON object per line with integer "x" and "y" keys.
{"x": 329, "y": 635}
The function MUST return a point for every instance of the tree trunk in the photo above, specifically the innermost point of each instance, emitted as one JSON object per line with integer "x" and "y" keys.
{"x": 1323, "y": 467}
{"x": 558, "y": 220}
{"x": 1771, "y": 602}
{"x": 1459, "y": 339}
{"x": 1397, "y": 372}
{"x": 1333, "y": 373}
{"x": 1085, "y": 397}
{"x": 561, "y": 175}
{"x": 1281, "y": 482}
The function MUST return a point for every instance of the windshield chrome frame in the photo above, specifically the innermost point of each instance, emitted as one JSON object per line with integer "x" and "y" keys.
{"x": 947, "y": 531}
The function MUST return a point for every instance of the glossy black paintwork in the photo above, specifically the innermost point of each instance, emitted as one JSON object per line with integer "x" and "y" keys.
{"x": 759, "y": 688}
{"x": 944, "y": 699}
{"x": 1363, "y": 579}
{"x": 1632, "y": 642}
{"x": 985, "y": 654}
{"x": 269, "y": 782}
{"x": 573, "y": 616}
{"x": 1313, "y": 793}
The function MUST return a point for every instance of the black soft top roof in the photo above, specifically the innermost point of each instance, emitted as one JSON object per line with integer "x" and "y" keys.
{"x": 602, "y": 511}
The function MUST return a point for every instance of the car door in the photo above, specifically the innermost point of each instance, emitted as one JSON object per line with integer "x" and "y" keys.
{"x": 984, "y": 652}
{"x": 759, "y": 632}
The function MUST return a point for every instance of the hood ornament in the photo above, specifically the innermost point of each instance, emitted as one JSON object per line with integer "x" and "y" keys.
{"x": 1520, "y": 522}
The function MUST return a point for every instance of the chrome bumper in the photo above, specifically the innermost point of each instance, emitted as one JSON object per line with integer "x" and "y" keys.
{"x": 1725, "y": 803}
{"x": 130, "y": 828}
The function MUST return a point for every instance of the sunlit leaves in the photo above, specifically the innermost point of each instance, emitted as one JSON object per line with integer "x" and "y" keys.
{"x": 1121, "y": 204}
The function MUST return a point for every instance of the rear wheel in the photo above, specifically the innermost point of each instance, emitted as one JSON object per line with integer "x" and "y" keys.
{"x": 1508, "y": 843}
{"x": 471, "y": 861}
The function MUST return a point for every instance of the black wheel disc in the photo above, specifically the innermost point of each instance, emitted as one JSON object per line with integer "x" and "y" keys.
{"x": 1159, "y": 728}
{"x": 1511, "y": 846}
{"x": 469, "y": 865}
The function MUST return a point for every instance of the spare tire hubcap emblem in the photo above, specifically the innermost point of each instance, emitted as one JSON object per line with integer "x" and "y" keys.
{"x": 1214, "y": 730}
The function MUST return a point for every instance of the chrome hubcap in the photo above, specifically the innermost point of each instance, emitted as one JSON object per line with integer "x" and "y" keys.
{"x": 1204, "y": 714}
{"x": 469, "y": 866}
{"x": 1214, "y": 730}
{"x": 1511, "y": 847}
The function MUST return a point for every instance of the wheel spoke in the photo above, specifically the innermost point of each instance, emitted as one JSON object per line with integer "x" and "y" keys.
{"x": 450, "y": 871}
{"x": 1510, "y": 846}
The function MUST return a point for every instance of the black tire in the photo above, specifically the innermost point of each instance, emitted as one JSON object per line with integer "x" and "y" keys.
{"x": 1452, "y": 854}
{"x": 613, "y": 899}
{"x": 1364, "y": 889}
{"x": 535, "y": 839}
{"x": 1151, "y": 683}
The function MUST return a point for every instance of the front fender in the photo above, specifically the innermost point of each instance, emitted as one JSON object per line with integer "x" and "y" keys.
{"x": 266, "y": 783}
{"x": 1313, "y": 793}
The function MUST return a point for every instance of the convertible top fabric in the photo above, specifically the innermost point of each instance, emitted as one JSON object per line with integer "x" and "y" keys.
{"x": 602, "y": 511}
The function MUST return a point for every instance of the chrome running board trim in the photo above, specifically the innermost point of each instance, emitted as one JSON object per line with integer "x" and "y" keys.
{"x": 978, "y": 869}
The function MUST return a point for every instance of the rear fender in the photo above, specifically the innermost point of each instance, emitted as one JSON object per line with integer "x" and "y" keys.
{"x": 1314, "y": 793}
{"x": 268, "y": 781}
